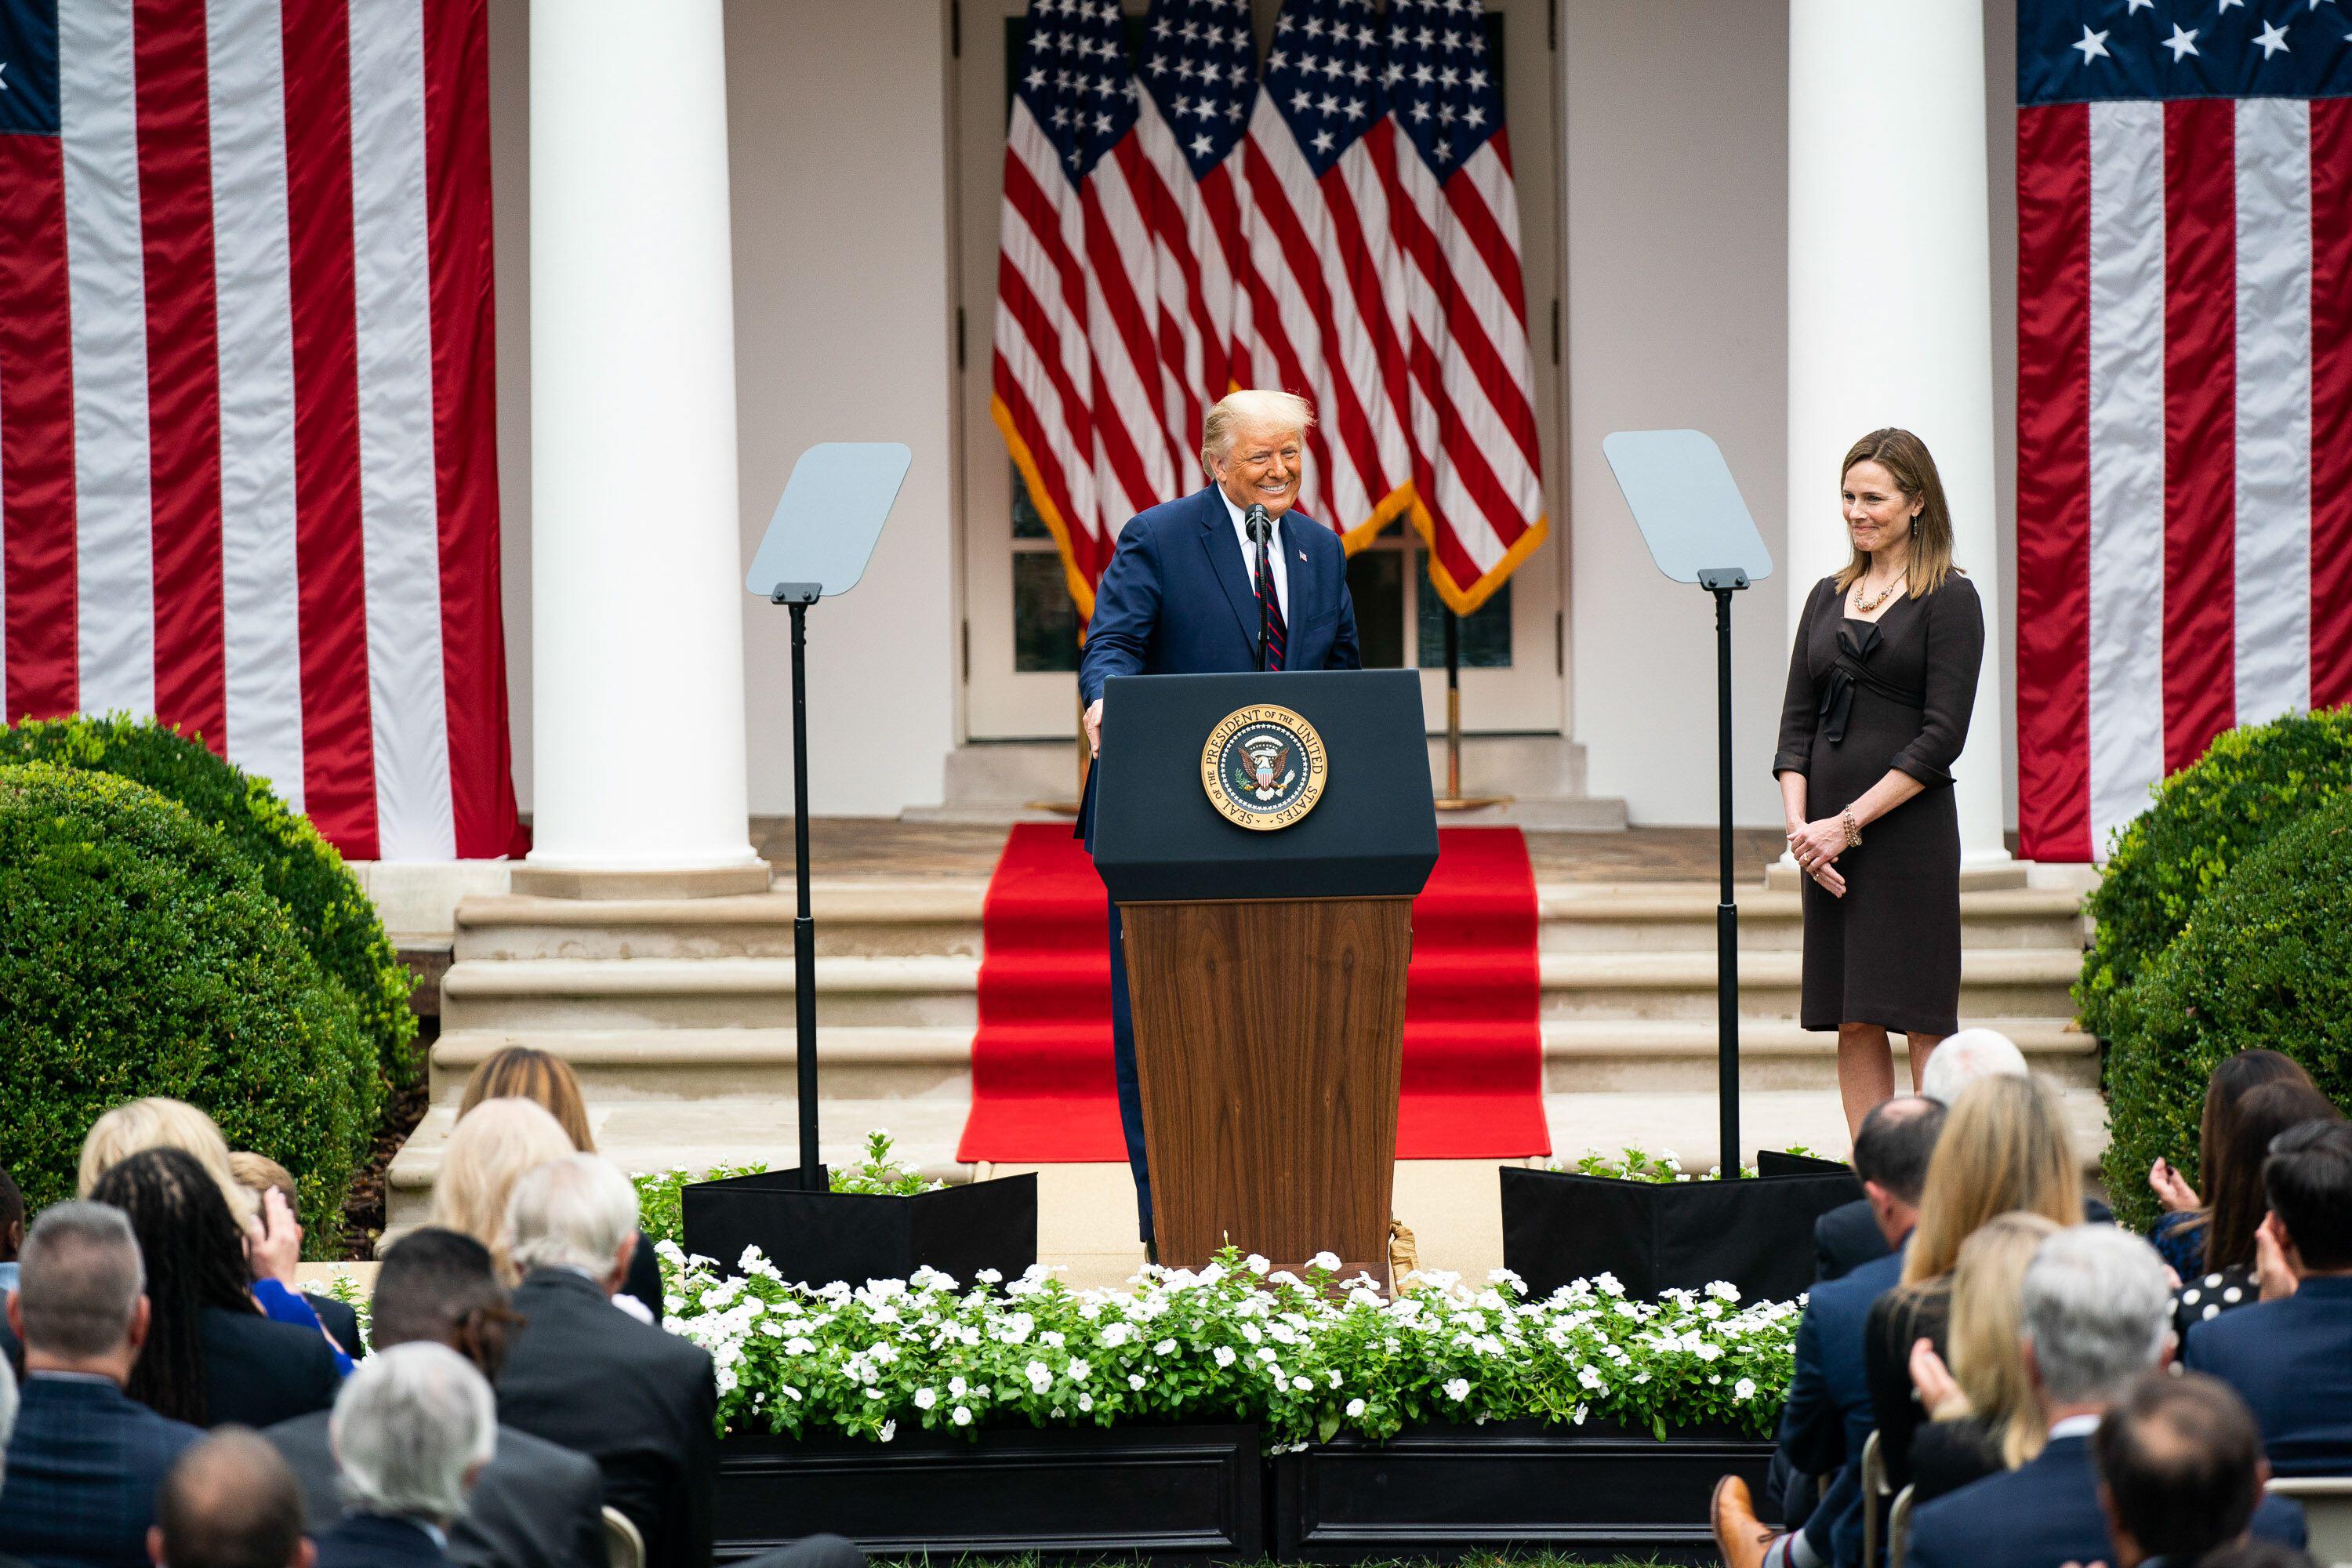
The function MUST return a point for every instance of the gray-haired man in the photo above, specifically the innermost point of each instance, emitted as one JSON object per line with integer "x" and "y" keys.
{"x": 411, "y": 1429}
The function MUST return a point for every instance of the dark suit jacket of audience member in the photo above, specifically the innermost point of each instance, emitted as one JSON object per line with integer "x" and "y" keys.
{"x": 1949, "y": 1455}
{"x": 582, "y": 1372}
{"x": 340, "y": 1321}
{"x": 1848, "y": 1236}
{"x": 1897, "y": 1319}
{"x": 2042, "y": 1515}
{"x": 1827, "y": 1417}
{"x": 644, "y": 1278}
{"x": 378, "y": 1540}
{"x": 535, "y": 1505}
{"x": 258, "y": 1373}
{"x": 82, "y": 1470}
{"x": 2291, "y": 1360}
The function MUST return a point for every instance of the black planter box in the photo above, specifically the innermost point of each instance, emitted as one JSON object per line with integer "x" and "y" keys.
{"x": 1441, "y": 1491}
{"x": 1756, "y": 1232}
{"x": 816, "y": 1237}
{"x": 1174, "y": 1494}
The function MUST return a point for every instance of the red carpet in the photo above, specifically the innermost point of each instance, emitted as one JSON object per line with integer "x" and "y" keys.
{"x": 1041, "y": 1071}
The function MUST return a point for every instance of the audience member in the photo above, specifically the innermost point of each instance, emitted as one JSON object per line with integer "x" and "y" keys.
{"x": 261, "y": 1175}
{"x": 2239, "y": 1202}
{"x": 230, "y": 1502}
{"x": 84, "y": 1460}
{"x": 273, "y": 1237}
{"x": 1826, "y": 1419}
{"x": 2006, "y": 1149}
{"x": 536, "y": 1505}
{"x": 2180, "y": 1469}
{"x": 12, "y": 1228}
{"x": 491, "y": 1146}
{"x": 1984, "y": 1416}
{"x": 2180, "y": 1236}
{"x": 2255, "y": 1552}
{"x": 635, "y": 1399}
{"x": 7, "y": 1424}
{"x": 2093, "y": 1313}
{"x": 547, "y": 1081}
{"x": 2290, "y": 1358}
{"x": 412, "y": 1429}
{"x": 212, "y": 1358}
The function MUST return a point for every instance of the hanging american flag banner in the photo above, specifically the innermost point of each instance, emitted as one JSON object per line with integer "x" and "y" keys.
{"x": 1321, "y": 312}
{"x": 2184, "y": 186}
{"x": 1477, "y": 459}
{"x": 247, "y": 475}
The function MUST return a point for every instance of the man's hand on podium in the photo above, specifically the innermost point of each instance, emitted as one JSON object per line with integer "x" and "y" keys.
{"x": 1093, "y": 723}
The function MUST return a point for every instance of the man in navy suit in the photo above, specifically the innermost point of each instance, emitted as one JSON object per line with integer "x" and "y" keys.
{"x": 1182, "y": 596}
{"x": 2290, "y": 1356}
{"x": 1826, "y": 1419}
{"x": 85, "y": 1460}
{"x": 412, "y": 1430}
{"x": 2096, "y": 1315}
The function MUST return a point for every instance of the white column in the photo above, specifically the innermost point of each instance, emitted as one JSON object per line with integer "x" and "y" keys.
{"x": 1890, "y": 304}
{"x": 636, "y": 574}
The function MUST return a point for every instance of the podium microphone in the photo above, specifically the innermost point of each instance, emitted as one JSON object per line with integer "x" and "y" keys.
{"x": 1260, "y": 528}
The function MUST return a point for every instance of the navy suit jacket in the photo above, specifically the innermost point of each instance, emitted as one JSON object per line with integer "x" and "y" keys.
{"x": 2042, "y": 1515}
{"x": 1827, "y": 1417}
{"x": 82, "y": 1470}
{"x": 2291, "y": 1360}
{"x": 378, "y": 1540}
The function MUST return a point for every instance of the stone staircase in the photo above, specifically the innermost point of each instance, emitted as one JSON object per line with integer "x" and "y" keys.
{"x": 677, "y": 1016}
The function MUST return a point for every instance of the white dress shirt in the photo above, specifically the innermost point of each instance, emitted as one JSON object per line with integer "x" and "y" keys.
{"x": 1249, "y": 555}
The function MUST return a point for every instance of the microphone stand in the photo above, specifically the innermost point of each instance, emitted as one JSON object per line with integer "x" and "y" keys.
{"x": 1260, "y": 526}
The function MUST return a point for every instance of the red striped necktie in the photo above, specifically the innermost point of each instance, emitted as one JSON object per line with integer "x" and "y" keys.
{"x": 1277, "y": 633}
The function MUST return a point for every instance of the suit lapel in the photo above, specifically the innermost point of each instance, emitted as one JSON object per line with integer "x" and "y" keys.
{"x": 1303, "y": 605}
{"x": 1218, "y": 539}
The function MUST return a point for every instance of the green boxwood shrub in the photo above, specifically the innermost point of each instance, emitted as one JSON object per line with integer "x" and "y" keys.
{"x": 298, "y": 868}
{"x": 2252, "y": 783}
{"x": 139, "y": 955}
{"x": 2266, "y": 961}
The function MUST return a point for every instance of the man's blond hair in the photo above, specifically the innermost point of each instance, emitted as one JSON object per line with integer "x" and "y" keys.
{"x": 1251, "y": 407}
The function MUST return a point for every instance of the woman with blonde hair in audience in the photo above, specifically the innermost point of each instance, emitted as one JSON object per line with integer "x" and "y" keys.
{"x": 492, "y": 1145}
{"x": 2005, "y": 1148}
{"x": 1984, "y": 1415}
{"x": 273, "y": 1237}
{"x": 526, "y": 1072}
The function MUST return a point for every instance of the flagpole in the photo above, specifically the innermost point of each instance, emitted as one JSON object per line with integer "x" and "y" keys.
{"x": 1453, "y": 799}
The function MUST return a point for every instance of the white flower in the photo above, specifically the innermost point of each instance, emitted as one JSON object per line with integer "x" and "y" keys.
{"x": 1355, "y": 1409}
{"x": 1080, "y": 1370}
{"x": 926, "y": 1397}
{"x": 1744, "y": 1390}
{"x": 1086, "y": 1401}
{"x": 1301, "y": 1385}
{"x": 1458, "y": 1389}
{"x": 962, "y": 1416}
{"x": 1165, "y": 1347}
{"x": 958, "y": 1387}
{"x": 1326, "y": 1262}
{"x": 890, "y": 1430}
{"x": 990, "y": 1276}
{"x": 1256, "y": 1264}
{"x": 1223, "y": 1355}
{"x": 1135, "y": 1381}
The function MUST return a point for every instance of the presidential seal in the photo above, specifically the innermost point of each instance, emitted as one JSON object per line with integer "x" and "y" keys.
{"x": 1264, "y": 767}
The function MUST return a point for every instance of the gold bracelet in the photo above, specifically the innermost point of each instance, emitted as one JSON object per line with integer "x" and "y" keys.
{"x": 1853, "y": 833}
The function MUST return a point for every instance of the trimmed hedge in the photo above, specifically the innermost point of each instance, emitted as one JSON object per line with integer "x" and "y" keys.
{"x": 2253, "y": 783}
{"x": 298, "y": 868}
{"x": 2265, "y": 961}
{"x": 140, "y": 954}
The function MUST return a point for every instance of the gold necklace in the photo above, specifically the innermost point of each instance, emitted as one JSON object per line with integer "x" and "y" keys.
{"x": 1865, "y": 603}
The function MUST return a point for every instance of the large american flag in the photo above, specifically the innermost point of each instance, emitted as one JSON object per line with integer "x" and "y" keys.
{"x": 2184, "y": 390}
{"x": 1346, "y": 229}
{"x": 247, "y": 475}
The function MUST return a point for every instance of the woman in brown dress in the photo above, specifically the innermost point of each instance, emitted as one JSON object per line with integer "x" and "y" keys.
{"x": 1880, "y": 690}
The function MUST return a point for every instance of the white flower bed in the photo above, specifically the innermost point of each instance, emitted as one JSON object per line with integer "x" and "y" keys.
{"x": 1306, "y": 1358}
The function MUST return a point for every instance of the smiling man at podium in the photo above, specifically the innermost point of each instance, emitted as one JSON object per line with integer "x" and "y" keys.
{"x": 1231, "y": 578}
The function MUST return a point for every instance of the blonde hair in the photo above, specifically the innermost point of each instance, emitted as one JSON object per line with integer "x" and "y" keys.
{"x": 2004, "y": 1147}
{"x": 157, "y": 1122}
{"x": 1904, "y": 456}
{"x": 259, "y": 1173}
{"x": 1284, "y": 410}
{"x": 493, "y": 1145}
{"x": 1987, "y": 1312}
{"x": 546, "y": 1080}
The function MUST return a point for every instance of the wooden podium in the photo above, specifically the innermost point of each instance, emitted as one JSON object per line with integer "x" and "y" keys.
{"x": 1263, "y": 837}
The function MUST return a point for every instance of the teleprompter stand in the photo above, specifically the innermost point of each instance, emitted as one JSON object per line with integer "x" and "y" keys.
{"x": 1698, "y": 529}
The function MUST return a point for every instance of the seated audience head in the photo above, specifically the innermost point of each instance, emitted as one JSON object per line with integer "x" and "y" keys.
{"x": 546, "y": 1080}
{"x": 577, "y": 1213}
{"x": 1890, "y": 1158}
{"x": 157, "y": 1122}
{"x": 2096, "y": 1312}
{"x": 260, "y": 1175}
{"x": 80, "y": 1303}
{"x": 2255, "y": 1553}
{"x": 229, "y": 1501}
{"x": 411, "y": 1429}
{"x": 12, "y": 1217}
{"x": 491, "y": 1145}
{"x": 2234, "y": 1198}
{"x": 2308, "y": 1179}
{"x": 2004, "y": 1147}
{"x": 1987, "y": 1290}
{"x": 1963, "y": 1057}
{"x": 441, "y": 1286}
{"x": 2180, "y": 1467}
{"x": 194, "y": 1256}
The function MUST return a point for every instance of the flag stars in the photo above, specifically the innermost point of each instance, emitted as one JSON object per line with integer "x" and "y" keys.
{"x": 2272, "y": 39}
{"x": 2183, "y": 42}
{"x": 2094, "y": 45}
{"x": 2134, "y": 7}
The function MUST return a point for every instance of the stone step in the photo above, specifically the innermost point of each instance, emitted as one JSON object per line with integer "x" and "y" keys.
{"x": 562, "y": 994}
{"x": 1995, "y": 984}
{"x": 908, "y": 918}
{"x": 879, "y": 1062}
{"x": 1600, "y": 1056}
{"x": 1680, "y": 917}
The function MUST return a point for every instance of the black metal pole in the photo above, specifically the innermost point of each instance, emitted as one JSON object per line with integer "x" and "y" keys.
{"x": 804, "y": 921}
{"x": 1726, "y": 913}
{"x": 1259, "y": 531}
